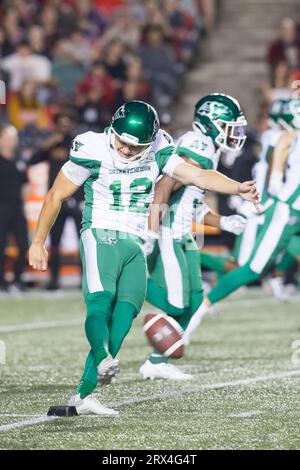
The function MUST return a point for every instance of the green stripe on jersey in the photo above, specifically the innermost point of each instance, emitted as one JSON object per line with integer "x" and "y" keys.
{"x": 89, "y": 192}
{"x": 205, "y": 162}
{"x": 163, "y": 155}
{"x": 93, "y": 165}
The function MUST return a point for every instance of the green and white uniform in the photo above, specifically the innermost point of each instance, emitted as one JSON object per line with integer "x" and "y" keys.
{"x": 245, "y": 242}
{"x": 281, "y": 223}
{"x": 175, "y": 283}
{"x": 117, "y": 200}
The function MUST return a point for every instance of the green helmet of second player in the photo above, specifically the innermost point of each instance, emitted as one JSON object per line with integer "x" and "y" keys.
{"x": 220, "y": 117}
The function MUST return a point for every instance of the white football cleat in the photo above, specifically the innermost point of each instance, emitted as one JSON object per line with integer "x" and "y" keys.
{"x": 107, "y": 369}
{"x": 90, "y": 406}
{"x": 278, "y": 289}
{"x": 162, "y": 371}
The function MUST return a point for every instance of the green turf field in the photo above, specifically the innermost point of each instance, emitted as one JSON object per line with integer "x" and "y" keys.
{"x": 245, "y": 394}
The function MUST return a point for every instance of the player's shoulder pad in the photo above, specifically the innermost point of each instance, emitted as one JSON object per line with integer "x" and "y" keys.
{"x": 84, "y": 145}
{"x": 162, "y": 140}
{"x": 196, "y": 143}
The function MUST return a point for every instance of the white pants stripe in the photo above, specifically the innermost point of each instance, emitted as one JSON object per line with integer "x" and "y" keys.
{"x": 271, "y": 237}
{"x": 248, "y": 239}
{"x": 91, "y": 264}
{"x": 172, "y": 271}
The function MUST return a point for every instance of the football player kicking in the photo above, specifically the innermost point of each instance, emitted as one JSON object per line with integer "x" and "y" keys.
{"x": 118, "y": 168}
{"x": 175, "y": 285}
{"x": 281, "y": 221}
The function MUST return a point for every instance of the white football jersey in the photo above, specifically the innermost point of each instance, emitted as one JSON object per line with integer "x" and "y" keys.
{"x": 118, "y": 195}
{"x": 268, "y": 141}
{"x": 186, "y": 203}
{"x": 290, "y": 191}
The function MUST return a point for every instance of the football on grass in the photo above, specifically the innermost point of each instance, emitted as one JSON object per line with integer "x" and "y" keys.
{"x": 164, "y": 334}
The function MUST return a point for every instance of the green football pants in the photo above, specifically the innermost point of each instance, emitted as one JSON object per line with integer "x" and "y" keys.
{"x": 175, "y": 284}
{"x": 114, "y": 287}
{"x": 280, "y": 224}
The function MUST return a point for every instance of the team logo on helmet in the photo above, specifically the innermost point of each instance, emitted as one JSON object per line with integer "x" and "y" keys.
{"x": 120, "y": 113}
{"x": 213, "y": 110}
{"x": 219, "y": 116}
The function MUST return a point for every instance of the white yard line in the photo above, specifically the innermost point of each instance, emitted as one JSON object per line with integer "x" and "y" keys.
{"x": 228, "y": 304}
{"x": 215, "y": 386}
{"x": 18, "y": 415}
{"x": 244, "y": 414}
{"x": 40, "y": 325}
{"x": 158, "y": 396}
{"x": 27, "y": 422}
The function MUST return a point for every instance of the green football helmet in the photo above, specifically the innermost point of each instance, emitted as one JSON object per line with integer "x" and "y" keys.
{"x": 136, "y": 123}
{"x": 220, "y": 117}
{"x": 289, "y": 117}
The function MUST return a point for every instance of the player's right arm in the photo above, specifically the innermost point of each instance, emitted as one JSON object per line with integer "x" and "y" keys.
{"x": 62, "y": 189}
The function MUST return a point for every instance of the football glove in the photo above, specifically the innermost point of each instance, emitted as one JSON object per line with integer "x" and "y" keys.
{"x": 149, "y": 243}
{"x": 275, "y": 183}
{"x": 233, "y": 223}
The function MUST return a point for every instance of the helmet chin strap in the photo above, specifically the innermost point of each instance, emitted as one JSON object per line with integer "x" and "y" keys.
{"x": 128, "y": 160}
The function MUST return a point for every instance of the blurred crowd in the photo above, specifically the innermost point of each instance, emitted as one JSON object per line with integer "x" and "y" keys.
{"x": 67, "y": 66}
{"x": 87, "y": 57}
{"x": 283, "y": 60}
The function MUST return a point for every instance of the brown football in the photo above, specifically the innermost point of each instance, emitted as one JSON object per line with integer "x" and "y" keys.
{"x": 164, "y": 334}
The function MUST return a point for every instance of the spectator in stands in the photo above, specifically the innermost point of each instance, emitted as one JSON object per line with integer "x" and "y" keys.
{"x": 135, "y": 73}
{"x": 6, "y": 48}
{"x": 23, "y": 65}
{"x": 67, "y": 71}
{"x": 160, "y": 67}
{"x": 127, "y": 27}
{"x": 89, "y": 19}
{"x": 12, "y": 180}
{"x": 114, "y": 60}
{"x": 56, "y": 149}
{"x": 184, "y": 30}
{"x": 36, "y": 39}
{"x": 13, "y": 30}
{"x": 96, "y": 79}
{"x": 93, "y": 114}
{"x": 286, "y": 48}
{"x": 279, "y": 87}
{"x": 49, "y": 21}
{"x": 129, "y": 91}
{"x": 24, "y": 107}
{"x": 80, "y": 48}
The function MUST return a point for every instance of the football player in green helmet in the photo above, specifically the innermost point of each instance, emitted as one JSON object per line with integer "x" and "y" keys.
{"x": 219, "y": 117}
{"x": 280, "y": 218}
{"x": 119, "y": 168}
{"x": 135, "y": 124}
{"x": 175, "y": 285}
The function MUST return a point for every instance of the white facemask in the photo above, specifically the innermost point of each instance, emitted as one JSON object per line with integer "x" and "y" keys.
{"x": 141, "y": 156}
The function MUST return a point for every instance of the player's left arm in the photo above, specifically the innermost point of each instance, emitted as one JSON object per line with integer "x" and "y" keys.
{"x": 212, "y": 180}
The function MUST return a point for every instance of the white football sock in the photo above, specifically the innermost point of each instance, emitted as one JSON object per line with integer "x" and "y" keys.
{"x": 195, "y": 322}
